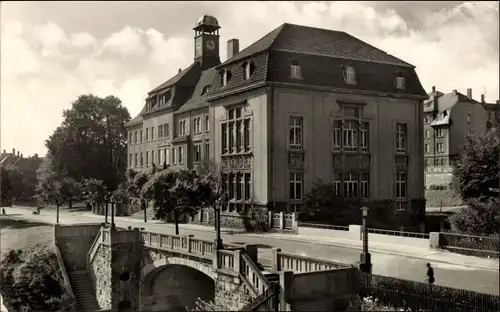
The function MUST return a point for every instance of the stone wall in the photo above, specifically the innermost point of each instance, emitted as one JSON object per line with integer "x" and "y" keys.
{"x": 74, "y": 242}
{"x": 230, "y": 292}
{"x": 235, "y": 220}
{"x": 100, "y": 274}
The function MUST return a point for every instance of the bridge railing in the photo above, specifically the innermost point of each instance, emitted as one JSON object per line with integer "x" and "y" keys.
{"x": 185, "y": 243}
{"x": 253, "y": 274}
{"x": 282, "y": 261}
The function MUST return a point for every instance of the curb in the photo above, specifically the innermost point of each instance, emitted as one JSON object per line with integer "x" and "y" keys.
{"x": 374, "y": 250}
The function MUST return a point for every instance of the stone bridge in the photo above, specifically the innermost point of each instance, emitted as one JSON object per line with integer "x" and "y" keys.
{"x": 135, "y": 270}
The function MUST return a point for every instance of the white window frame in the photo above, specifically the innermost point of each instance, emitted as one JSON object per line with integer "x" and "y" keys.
{"x": 440, "y": 133}
{"x": 469, "y": 118}
{"x": 182, "y": 127}
{"x": 166, "y": 130}
{"x": 296, "y": 181}
{"x": 166, "y": 152}
{"x": 152, "y": 133}
{"x": 136, "y": 157}
{"x": 141, "y": 138}
{"x": 206, "y": 151}
{"x": 136, "y": 134}
{"x": 400, "y": 83}
{"x": 440, "y": 147}
{"x": 247, "y": 70}
{"x": 351, "y": 184}
{"x": 174, "y": 160}
{"x": 234, "y": 127}
{"x": 337, "y": 135}
{"x": 197, "y": 152}
{"x": 296, "y": 133}
{"x": 350, "y": 75}
{"x": 364, "y": 136}
{"x": 152, "y": 157}
{"x": 337, "y": 183}
{"x": 147, "y": 134}
{"x": 142, "y": 160}
{"x": 364, "y": 185}
{"x": 147, "y": 158}
{"x": 427, "y": 148}
{"x": 181, "y": 155}
{"x": 160, "y": 131}
{"x": 350, "y": 135}
{"x": 401, "y": 137}
{"x": 224, "y": 78}
{"x": 427, "y": 134}
{"x": 207, "y": 122}
{"x": 295, "y": 71}
{"x": 401, "y": 190}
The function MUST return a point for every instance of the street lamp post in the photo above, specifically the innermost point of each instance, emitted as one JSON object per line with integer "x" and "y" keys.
{"x": 57, "y": 210}
{"x": 218, "y": 240}
{"x": 366, "y": 263}
{"x": 144, "y": 206}
{"x": 112, "y": 214}
{"x": 106, "y": 209}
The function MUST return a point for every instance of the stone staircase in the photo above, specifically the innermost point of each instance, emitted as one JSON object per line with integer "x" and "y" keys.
{"x": 82, "y": 289}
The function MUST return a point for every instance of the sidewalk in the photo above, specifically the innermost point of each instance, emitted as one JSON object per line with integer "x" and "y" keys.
{"x": 431, "y": 255}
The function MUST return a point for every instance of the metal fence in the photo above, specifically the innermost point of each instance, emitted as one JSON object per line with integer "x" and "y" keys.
{"x": 323, "y": 226}
{"x": 267, "y": 301}
{"x": 481, "y": 246}
{"x": 399, "y": 233}
{"x": 415, "y": 296}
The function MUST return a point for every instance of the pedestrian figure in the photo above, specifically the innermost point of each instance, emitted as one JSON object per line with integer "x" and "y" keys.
{"x": 430, "y": 274}
{"x": 3, "y": 211}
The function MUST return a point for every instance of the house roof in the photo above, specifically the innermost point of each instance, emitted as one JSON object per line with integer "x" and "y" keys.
{"x": 448, "y": 100}
{"x": 317, "y": 41}
{"x": 198, "y": 97}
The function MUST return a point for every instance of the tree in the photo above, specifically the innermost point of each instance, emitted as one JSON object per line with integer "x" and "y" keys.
{"x": 476, "y": 172}
{"x": 48, "y": 186}
{"x": 175, "y": 193}
{"x": 325, "y": 205}
{"x": 211, "y": 183}
{"x": 91, "y": 141}
{"x": 479, "y": 218}
{"x": 31, "y": 279}
{"x": 68, "y": 189}
{"x": 12, "y": 183}
{"x": 94, "y": 190}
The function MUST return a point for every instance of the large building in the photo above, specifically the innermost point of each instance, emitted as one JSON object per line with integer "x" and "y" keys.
{"x": 299, "y": 104}
{"x": 448, "y": 120}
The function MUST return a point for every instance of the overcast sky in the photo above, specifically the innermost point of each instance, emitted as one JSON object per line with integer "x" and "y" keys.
{"x": 52, "y": 52}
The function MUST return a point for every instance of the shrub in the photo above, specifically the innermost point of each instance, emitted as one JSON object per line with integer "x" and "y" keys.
{"x": 257, "y": 221}
{"x": 479, "y": 218}
{"x": 374, "y": 304}
{"x": 436, "y": 187}
{"x": 31, "y": 279}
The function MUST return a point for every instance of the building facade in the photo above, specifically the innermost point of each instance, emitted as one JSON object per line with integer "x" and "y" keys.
{"x": 279, "y": 115}
{"x": 448, "y": 120}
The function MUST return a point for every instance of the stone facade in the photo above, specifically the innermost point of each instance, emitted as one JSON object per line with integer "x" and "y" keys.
{"x": 100, "y": 275}
{"x": 233, "y": 220}
{"x": 230, "y": 292}
{"x": 74, "y": 242}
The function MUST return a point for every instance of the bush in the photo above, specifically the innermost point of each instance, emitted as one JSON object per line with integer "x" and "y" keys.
{"x": 31, "y": 279}
{"x": 373, "y": 304}
{"x": 435, "y": 187}
{"x": 479, "y": 218}
{"x": 257, "y": 221}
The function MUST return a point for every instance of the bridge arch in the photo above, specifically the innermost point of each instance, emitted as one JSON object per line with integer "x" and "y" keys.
{"x": 173, "y": 283}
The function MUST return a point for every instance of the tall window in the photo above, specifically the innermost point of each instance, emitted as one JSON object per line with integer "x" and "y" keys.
{"x": 349, "y": 75}
{"x": 135, "y": 160}
{"x": 161, "y": 160}
{"x": 238, "y": 187}
{"x": 440, "y": 147}
{"x": 142, "y": 160}
{"x": 295, "y": 71}
{"x": 440, "y": 133}
{"x": 365, "y": 185}
{"x": 181, "y": 155}
{"x": 469, "y": 118}
{"x": 167, "y": 155}
{"x": 147, "y": 134}
{"x": 197, "y": 153}
{"x": 160, "y": 131}
{"x": 130, "y": 138}
{"x": 207, "y": 122}
{"x": 197, "y": 125}
{"x": 401, "y": 133}
{"x": 401, "y": 190}
{"x": 166, "y": 131}
{"x": 400, "y": 82}
{"x": 296, "y": 136}
{"x": 427, "y": 148}
{"x": 247, "y": 68}
{"x": 235, "y": 132}
{"x": 147, "y": 159}
{"x": 173, "y": 156}
{"x": 135, "y": 137}
{"x": 337, "y": 183}
{"x": 351, "y": 184}
{"x": 350, "y": 135}
{"x": 296, "y": 185}
{"x": 182, "y": 127}
{"x": 130, "y": 160}
{"x": 427, "y": 134}
{"x": 152, "y": 133}
{"x": 364, "y": 139}
{"x": 337, "y": 135}
{"x": 207, "y": 151}
{"x": 152, "y": 157}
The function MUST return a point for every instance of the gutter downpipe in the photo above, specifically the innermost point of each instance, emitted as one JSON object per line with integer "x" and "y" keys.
{"x": 271, "y": 96}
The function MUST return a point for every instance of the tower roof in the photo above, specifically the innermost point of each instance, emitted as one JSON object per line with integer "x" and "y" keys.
{"x": 207, "y": 21}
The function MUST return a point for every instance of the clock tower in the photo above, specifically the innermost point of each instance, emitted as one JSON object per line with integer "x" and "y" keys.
{"x": 206, "y": 41}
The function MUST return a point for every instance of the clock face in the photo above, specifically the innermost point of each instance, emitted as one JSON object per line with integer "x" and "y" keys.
{"x": 210, "y": 45}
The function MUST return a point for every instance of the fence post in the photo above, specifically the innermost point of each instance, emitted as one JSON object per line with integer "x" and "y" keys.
{"x": 237, "y": 261}
{"x": 275, "y": 261}
{"x": 282, "y": 220}
{"x": 295, "y": 224}
{"x": 270, "y": 219}
{"x": 286, "y": 283}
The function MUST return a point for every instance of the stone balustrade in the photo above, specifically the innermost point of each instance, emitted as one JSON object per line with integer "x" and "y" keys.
{"x": 282, "y": 261}
{"x": 187, "y": 244}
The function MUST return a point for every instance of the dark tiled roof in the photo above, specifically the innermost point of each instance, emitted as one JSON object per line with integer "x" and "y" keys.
{"x": 326, "y": 71}
{"x": 326, "y": 42}
{"x": 198, "y": 98}
{"x": 448, "y": 100}
{"x": 491, "y": 106}
{"x": 175, "y": 79}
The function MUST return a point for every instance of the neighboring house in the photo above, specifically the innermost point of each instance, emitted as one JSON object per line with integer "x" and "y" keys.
{"x": 448, "y": 119}
{"x": 492, "y": 112}
{"x": 299, "y": 104}
{"x": 26, "y": 165}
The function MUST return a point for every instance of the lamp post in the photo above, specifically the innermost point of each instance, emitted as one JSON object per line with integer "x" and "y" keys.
{"x": 222, "y": 202}
{"x": 106, "y": 209}
{"x": 112, "y": 213}
{"x": 143, "y": 204}
{"x": 57, "y": 210}
{"x": 366, "y": 263}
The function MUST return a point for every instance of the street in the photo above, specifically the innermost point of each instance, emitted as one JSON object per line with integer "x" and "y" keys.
{"x": 456, "y": 276}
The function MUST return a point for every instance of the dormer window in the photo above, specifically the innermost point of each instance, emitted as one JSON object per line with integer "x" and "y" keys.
{"x": 295, "y": 71}
{"x": 225, "y": 76}
{"x": 400, "y": 81}
{"x": 205, "y": 90}
{"x": 349, "y": 74}
{"x": 248, "y": 69}
{"x": 164, "y": 98}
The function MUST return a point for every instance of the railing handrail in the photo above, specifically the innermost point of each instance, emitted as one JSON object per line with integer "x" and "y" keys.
{"x": 245, "y": 258}
{"x": 321, "y": 261}
{"x": 64, "y": 273}
{"x": 492, "y": 237}
{"x": 93, "y": 248}
{"x": 323, "y": 226}
{"x": 398, "y": 233}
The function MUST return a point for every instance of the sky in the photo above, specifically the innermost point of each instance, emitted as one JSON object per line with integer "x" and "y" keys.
{"x": 52, "y": 52}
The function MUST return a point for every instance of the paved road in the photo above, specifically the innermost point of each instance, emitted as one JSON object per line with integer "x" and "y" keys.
{"x": 456, "y": 276}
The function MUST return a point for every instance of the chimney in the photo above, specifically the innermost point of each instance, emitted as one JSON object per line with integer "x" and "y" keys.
{"x": 498, "y": 102}
{"x": 454, "y": 91}
{"x": 21, "y": 155}
{"x": 482, "y": 98}
{"x": 36, "y": 156}
{"x": 4, "y": 151}
{"x": 180, "y": 69}
{"x": 469, "y": 93}
{"x": 233, "y": 48}
{"x": 13, "y": 151}
{"x": 17, "y": 153}
{"x": 433, "y": 89}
